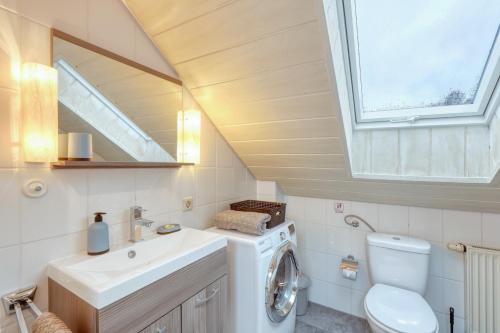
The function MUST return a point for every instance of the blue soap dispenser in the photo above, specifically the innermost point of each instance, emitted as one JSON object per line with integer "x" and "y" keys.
{"x": 98, "y": 236}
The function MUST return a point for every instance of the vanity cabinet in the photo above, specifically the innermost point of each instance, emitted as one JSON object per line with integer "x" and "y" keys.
{"x": 169, "y": 323}
{"x": 190, "y": 300}
{"x": 204, "y": 312}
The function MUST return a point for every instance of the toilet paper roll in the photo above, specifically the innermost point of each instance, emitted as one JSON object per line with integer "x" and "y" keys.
{"x": 349, "y": 274}
{"x": 63, "y": 146}
{"x": 79, "y": 146}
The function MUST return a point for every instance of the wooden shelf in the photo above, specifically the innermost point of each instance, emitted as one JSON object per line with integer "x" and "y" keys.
{"x": 114, "y": 165}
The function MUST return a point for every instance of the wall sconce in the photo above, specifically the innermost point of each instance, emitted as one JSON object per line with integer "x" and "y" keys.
{"x": 39, "y": 112}
{"x": 188, "y": 136}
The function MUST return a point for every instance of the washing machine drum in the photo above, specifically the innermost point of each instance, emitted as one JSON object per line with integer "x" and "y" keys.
{"x": 282, "y": 282}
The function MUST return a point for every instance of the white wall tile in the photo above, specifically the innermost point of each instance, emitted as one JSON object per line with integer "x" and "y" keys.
{"x": 120, "y": 33}
{"x": 393, "y": 220}
{"x": 368, "y": 212}
{"x": 339, "y": 240}
{"x": 224, "y": 153}
{"x": 453, "y": 295}
{"x": 62, "y": 210}
{"x": 315, "y": 264}
{"x": 461, "y": 226}
{"x": 10, "y": 261}
{"x": 315, "y": 237}
{"x": 491, "y": 231}
{"x": 339, "y": 298}
{"x": 315, "y": 210}
{"x": 357, "y": 303}
{"x": 9, "y": 204}
{"x": 205, "y": 186}
{"x": 65, "y": 15}
{"x": 337, "y": 219}
{"x": 112, "y": 192}
{"x": 318, "y": 292}
{"x": 183, "y": 185}
{"x": 152, "y": 191}
{"x": 426, "y": 223}
{"x": 225, "y": 184}
{"x": 434, "y": 293}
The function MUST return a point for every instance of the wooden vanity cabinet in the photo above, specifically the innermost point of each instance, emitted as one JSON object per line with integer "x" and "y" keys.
{"x": 191, "y": 300}
{"x": 169, "y": 323}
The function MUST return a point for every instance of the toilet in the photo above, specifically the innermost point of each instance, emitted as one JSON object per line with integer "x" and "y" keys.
{"x": 399, "y": 268}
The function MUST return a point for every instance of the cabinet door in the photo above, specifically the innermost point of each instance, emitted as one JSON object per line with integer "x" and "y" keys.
{"x": 205, "y": 311}
{"x": 169, "y": 323}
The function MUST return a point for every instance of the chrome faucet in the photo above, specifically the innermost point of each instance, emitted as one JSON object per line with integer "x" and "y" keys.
{"x": 137, "y": 222}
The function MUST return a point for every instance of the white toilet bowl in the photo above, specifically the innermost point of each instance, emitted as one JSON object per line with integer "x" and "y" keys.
{"x": 395, "y": 310}
{"x": 399, "y": 269}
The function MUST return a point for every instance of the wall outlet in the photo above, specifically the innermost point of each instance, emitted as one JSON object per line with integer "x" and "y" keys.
{"x": 339, "y": 207}
{"x": 187, "y": 204}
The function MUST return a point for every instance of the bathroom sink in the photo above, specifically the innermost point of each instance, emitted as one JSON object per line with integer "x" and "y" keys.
{"x": 102, "y": 280}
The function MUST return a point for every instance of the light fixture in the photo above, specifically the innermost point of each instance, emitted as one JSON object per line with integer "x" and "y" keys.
{"x": 39, "y": 112}
{"x": 188, "y": 136}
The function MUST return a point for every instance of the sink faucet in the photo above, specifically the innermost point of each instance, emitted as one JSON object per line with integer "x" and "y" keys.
{"x": 137, "y": 222}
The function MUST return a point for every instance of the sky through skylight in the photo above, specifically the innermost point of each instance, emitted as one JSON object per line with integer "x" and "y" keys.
{"x": 421, "y": 53}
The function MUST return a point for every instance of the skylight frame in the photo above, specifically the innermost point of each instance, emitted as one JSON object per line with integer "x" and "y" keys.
{"x": 486, "y": 102}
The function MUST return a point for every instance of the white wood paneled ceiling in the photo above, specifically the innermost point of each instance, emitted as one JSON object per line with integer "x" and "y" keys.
{"x": 262, "y": 71}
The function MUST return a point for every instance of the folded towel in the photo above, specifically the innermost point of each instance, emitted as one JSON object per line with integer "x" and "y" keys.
{"x": 247, "y": 222}
{"x": 48, "y": 322}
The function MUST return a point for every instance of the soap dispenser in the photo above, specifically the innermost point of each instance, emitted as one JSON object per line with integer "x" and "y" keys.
{"x": 98, "y": 236}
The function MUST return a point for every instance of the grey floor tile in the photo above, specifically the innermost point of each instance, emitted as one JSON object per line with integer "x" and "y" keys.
{"x": 301, "y": 327}
{"x": 333, "y": 321}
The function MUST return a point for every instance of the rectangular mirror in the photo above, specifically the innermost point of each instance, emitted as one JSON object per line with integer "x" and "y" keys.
{"x": 130, "y": 110}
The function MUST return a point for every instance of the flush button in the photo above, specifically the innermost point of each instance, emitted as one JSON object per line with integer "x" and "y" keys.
{"x": 396, "y": 238}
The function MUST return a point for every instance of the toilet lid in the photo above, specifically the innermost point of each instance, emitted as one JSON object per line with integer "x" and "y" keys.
{"x": 401, "y": 310}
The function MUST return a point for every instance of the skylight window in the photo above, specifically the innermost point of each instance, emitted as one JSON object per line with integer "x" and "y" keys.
{"x": 419, "y": 59}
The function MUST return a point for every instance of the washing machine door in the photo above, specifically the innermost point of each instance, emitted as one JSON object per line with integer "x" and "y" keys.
{"x": 282, "y": 282}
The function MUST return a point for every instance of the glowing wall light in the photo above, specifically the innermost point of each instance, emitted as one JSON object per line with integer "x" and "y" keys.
{"x": 188, "y": 136}
{"x": 39, "y": 112}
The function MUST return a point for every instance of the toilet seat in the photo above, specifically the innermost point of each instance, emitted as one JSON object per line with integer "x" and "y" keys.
{"x": 400, "y": 311}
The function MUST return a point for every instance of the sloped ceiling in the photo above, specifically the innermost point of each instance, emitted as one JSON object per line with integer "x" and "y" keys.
{"x": 262, "y": 71}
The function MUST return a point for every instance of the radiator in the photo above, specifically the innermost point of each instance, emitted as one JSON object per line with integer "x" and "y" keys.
{"x": 482, "y": 290}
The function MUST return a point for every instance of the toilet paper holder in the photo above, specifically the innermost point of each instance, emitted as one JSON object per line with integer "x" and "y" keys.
{"x": 349, "y": 267}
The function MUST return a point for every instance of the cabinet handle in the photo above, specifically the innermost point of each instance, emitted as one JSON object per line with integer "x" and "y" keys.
{"x": 161, "y": 330}
{"x": 202, "y": 301}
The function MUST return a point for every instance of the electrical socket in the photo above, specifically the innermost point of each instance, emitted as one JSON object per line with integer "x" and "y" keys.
{"x": 187, "y": 204}
{"x": 339, "y": 207}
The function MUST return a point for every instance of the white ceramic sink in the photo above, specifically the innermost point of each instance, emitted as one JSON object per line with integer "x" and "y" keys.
{"x": 102, "y": 280}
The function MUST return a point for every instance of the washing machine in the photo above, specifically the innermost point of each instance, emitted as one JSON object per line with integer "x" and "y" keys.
{"x": 262, "y": 280}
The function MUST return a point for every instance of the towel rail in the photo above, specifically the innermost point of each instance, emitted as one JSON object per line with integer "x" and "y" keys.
{"x": 17, "y": 301}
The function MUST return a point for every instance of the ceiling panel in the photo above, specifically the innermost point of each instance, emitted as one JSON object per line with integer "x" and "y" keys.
{"x": 261, "y": 70}
{"x": 289, "y": 146}
{"x": 230, "y": 26}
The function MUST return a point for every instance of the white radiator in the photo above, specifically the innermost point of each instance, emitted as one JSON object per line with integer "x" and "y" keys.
{"x": 482, "y": 290}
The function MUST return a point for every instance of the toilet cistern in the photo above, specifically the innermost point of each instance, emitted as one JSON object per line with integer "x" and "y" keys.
{"x": 137, "y": 222}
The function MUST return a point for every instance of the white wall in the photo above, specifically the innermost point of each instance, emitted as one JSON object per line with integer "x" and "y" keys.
{"x": 35, "y": 231}
{"x": 324, "y": 239}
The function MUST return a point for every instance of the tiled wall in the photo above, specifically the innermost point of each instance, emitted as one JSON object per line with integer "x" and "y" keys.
{"x": 35, "y": 231}
{"x": 324, "y": 239}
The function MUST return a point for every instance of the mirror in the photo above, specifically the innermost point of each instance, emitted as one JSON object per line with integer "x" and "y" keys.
{"x": 130, "y": 110}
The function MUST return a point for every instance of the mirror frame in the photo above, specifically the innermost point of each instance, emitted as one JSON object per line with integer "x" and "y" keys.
{"x": 55, "y": 33}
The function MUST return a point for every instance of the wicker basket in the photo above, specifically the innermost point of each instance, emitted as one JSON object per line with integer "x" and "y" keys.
{"x": 275, "y": 209}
